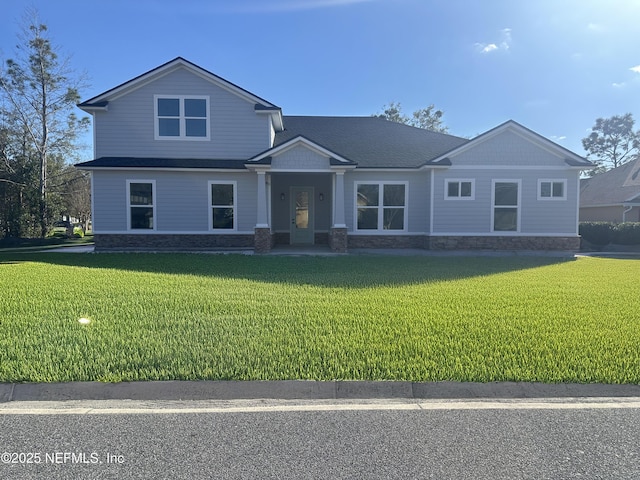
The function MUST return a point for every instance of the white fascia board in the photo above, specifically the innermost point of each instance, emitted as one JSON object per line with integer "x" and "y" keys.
{"x": 163, "y": 169}
{"x": 171, "y": 67}
{"x": 542, "y": 142}
{"x": 297, "y": 141}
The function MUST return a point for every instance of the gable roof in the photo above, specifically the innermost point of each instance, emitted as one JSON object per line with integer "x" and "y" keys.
{"x": 614, "y": 187}
{"x": 264, "y": 158}
{"x": 371, "y": 142}
{"x": 101, "y": 101}
{"x": 571, "y": 159}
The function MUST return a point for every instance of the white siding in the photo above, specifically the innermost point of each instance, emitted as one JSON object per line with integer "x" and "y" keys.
{"x": 182, "y": 200}
{"x": 126, "y": 129}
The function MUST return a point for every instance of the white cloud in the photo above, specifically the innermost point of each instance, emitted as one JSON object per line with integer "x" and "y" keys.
{"x": 559, "y": 138}
{"x": 595, "y": 27}
{"x": 635, "y": 69}
{"x": 503, "y": 45}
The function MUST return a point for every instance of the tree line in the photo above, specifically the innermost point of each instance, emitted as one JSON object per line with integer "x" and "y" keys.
{"x": 39, "y": 135}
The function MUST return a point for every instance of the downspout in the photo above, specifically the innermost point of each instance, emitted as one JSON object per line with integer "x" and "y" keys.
{"x": 625, "y": 211}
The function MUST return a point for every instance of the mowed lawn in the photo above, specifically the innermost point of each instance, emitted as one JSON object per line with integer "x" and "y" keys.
{"x": 197, "y": 316}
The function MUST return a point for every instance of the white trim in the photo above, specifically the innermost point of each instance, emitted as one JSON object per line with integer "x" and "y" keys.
{"x": 171, "y": 67}
{"x": 182, "y": 118}
{"x": 296, "y": 141}
{"x": 552, "y": 181}
{"x": 211, "y": 206}
{"x": 459, "y": 181}
{"x": 154, "y": 202}
{"x": 376, "y": 233}
{"x": 166, "y": 169}
{"x": 173, "y": 232}
{"x": 503, "y": 234}
{"x": 513, "y": 167}
{"x": 431, "y": 201}
{"x": 518, "y": 206}
{"x": 380, "y": 207}
{"x": 93, "y": 204}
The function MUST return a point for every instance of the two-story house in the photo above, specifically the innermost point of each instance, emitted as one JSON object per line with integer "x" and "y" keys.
{"x": 186, "y": 160}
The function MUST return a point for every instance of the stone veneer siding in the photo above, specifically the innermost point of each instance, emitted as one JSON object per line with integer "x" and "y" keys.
{"x": 170, "y": 242}
{"x": 503, "y": 243}
{"x": 386, "y": 241}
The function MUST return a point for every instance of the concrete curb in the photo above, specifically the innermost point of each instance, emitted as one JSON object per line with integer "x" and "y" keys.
{"x": 301, "y": 390}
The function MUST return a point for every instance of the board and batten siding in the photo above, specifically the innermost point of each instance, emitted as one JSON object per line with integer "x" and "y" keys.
{"x": 182, "y": 200}
{"x": 127, "y": 128}
{"x": 417, "y": 204}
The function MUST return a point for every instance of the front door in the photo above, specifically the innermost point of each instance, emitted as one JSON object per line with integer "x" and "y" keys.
{"x": 302, "y": 226}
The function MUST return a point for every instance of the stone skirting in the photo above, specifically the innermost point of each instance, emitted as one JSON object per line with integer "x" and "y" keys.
{"x": 170, "y": 242}
{"x": 264, "y": 240}
{"x": 503, "y": 243}
{"x": 386, "y": 241}
{"x": 338, "y": 240}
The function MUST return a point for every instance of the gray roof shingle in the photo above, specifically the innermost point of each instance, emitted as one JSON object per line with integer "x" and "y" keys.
{"x": 616, "y": 186}
{"x": 371, "y": 142}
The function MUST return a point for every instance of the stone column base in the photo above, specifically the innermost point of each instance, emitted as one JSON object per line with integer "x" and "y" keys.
{"x": 338, "y": 240}
{"x": 263, "y": 240}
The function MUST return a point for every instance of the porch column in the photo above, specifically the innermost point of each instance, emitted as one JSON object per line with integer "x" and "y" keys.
{"x": 338, "y": 204}
{"x": 262, "y": 235}
{"x": 263, "y": 217}
{"x": 338, "y": 233}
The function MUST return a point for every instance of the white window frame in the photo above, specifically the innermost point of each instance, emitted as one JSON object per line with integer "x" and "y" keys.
{"x": 381, "y": 206}
{"x": 563, "y": 181}
{"x": 153, "y": 206}
{"x": 182, "y": 118}
{"x": 459, "y": 181}
{"x": 518, "y": 207}
{"x": 234, "y": 206}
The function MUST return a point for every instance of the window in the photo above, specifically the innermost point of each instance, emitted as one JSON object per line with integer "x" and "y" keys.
{"x": 552, "y": 189}
{"x": 182, "y": 117}
{"x": 381, "y": 206}
{"x": 462, "y": 189}
{"x": 222, "y": 201}
{"x": 506, "y": 201}
{"x": 141, "y": 204}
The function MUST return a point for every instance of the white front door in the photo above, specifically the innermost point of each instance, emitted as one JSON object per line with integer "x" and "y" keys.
{"x": 301, "y": 212}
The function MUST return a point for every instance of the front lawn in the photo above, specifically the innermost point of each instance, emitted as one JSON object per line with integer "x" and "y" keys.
{"x": 197, "y": 316}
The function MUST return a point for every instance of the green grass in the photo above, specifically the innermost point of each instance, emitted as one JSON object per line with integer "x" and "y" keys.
{"x": 190, "y": 316}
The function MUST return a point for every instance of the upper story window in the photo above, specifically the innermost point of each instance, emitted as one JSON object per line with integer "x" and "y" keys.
{"x": 459, "y": 189}
{"x": 182, "y": 117}
{"x": 552, "y": 189}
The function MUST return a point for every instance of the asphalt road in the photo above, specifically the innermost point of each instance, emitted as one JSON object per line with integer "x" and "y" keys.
{"x": 357, "y": 439}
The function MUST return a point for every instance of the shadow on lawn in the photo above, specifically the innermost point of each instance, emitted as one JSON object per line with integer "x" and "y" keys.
{"x": 335, "y": 272}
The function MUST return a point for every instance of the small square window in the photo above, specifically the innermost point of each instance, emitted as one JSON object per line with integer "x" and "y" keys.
{"x": 552, "y": 190}
{"x": 182, "y": 118}
{"x": 459, "y": 189}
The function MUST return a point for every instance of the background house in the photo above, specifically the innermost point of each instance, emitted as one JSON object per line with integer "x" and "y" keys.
{"x": 612, "y": 196}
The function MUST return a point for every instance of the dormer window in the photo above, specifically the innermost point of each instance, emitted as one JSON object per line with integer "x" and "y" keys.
{"x": 181, "y": 117}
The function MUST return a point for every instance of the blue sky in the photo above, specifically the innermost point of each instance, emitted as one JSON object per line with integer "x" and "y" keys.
{"x": 552, "y": 65}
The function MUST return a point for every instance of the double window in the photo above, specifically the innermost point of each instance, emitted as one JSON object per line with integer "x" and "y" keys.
{"x": 381, "y": 206}
{"x": 141, "y": 204}
{"x": 459, "y": 189}
{"x": 182, "y": 117}
{"x": 505, "y": 198}
{"x": 552, "y": 189}
{"x": 222, "y": 204}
